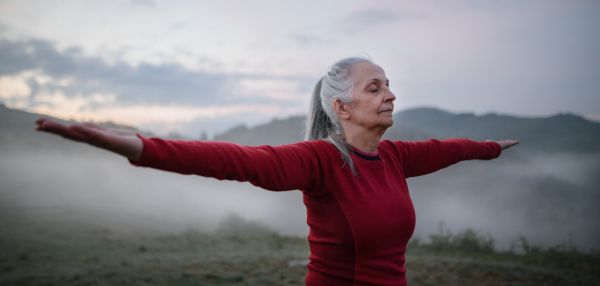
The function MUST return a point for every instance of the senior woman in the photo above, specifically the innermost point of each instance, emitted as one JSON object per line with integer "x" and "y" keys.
{"x": 354, "y": 185}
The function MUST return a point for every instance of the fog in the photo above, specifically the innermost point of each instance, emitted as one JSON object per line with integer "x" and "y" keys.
{"x": 544, "y": 197}
{"x": 104, "y": 189}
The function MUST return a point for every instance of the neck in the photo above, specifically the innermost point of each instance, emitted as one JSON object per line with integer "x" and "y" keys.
{"x": 365, "y": 140}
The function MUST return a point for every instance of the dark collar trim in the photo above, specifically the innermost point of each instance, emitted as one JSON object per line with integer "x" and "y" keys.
{"x": 369, "y": 158}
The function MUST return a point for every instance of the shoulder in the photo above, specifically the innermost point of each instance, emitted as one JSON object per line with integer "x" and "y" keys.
{"x": 408, "y": 146}
{"x": 319, "y": 149}
{"x": 323, "y": 150}
{"x": 320, "y": 146}
{"x": 325, "y": 163}
{"x": 395, "y": 150}
{"x": 388, "y": 146}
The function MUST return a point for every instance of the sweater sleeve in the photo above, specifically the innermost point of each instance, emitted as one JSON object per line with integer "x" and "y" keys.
{"x": 421, "y": 158}
{"x": 275, "y": 168}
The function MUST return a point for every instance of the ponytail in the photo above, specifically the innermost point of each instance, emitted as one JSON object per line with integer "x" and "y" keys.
{"x": 318, "y": 124}
{"x": 322, "y": 123}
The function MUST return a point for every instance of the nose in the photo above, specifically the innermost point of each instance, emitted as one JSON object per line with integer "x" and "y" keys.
{"x": 389, "y": 97}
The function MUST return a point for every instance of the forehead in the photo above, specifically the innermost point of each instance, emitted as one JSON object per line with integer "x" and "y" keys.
{"x": 365, "y": 71}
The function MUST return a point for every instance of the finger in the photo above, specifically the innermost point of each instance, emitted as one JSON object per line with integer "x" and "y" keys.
{"x": 92, "y": 133}
{"x": 94, "y": 126}
{"x": 509, "y": 143}
{"x": 75, "y": 135}
{"x": 48, "y": 125}
{"x": 60, "y": 129}
{"x": 41, "y": 121}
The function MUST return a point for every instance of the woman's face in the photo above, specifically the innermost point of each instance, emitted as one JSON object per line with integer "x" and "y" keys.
{"x": 372, "y": 101}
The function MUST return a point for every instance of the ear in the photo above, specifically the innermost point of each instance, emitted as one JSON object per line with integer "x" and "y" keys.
{"x": 341, "y": 109}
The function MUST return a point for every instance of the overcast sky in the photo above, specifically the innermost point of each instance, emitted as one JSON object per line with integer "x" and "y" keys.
{"x": 193, "y": 66}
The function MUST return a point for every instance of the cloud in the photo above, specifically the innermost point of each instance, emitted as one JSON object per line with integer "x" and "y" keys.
{"x": 14, "y": 86}
{"x": 145, "y": 83}
{"x": 3, "y": 28}
{"x": 305, "y": 40}
{"x": 38, "y": 77}
{"x": 149, "y": 3}
{"x": 58, "y": 105}
{"x": 160, "y": 84}
{"x": 593, "y": 117}
{"x": 365, "y": 18}
{"x": 278, "y": 89}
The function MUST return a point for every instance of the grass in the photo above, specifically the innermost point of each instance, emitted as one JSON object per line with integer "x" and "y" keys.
{"x": 469, "y": 258}
{"x": 62, "y": 254}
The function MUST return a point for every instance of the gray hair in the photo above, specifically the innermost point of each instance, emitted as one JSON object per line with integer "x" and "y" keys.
{"x": 322, "y": 123}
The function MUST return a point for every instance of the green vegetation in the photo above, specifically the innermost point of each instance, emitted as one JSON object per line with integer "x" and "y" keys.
{"x": 36, "y": 253}
{"x": 79, "y": 255}
{"x": 469, "y": 258}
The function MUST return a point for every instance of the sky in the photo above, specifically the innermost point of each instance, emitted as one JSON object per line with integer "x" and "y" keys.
{"x": 207, "y": 66}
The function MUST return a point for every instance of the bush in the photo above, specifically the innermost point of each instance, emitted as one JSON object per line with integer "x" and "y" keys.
{"x": 467, "y": 241}
{"x": 563, "y": 255}
{"x": 235, "y": 224}
{"x": 477, "y": 244}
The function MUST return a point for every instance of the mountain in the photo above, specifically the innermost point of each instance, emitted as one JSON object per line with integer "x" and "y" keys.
{"x": 562, "y": 132}
{"x": 559, "y": 133}
{"x": 17, "y": 131}
{"x": 276, "y": 132}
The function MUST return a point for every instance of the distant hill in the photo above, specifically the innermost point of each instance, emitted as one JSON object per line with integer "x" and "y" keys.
{"x": 276, "y": 132}
{"x": 17, "y": 131}
{"x": 560, "y": 133}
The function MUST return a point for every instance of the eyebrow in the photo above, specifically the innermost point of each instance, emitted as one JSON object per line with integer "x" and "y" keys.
{"x": 376, "y": 80}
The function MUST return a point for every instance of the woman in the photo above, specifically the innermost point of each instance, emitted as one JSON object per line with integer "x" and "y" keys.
{"x": 359, "y": 209}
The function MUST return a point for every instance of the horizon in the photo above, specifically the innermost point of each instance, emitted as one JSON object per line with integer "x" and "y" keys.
{"x": 268, "y": 121}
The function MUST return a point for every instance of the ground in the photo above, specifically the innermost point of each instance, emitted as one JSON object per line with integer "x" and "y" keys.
{"x": 35, "y": 253}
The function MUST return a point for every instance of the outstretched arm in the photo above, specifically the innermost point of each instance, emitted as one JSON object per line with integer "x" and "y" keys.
{"x": 279, "y": 168}
{"x": 420, "y": 158}
{"x": 124, "y": 143}
{"x": 505, "y": 144}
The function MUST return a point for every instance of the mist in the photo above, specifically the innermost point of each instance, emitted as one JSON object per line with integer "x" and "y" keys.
{"x": 546, "y": 198}
{"x": 547, "y": 194}
{"x": 103, "y": 189}
{"x": 91, "y": 186}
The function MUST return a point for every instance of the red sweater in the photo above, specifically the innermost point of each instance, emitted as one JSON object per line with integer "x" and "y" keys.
{"x": 359, "y": 226}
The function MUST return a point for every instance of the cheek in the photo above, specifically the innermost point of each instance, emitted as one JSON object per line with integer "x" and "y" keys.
{"x": 362, "y": 108}
{"x": 366, "y": 112}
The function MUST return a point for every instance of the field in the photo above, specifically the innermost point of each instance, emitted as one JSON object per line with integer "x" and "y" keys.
{"x": 49, "y": 252}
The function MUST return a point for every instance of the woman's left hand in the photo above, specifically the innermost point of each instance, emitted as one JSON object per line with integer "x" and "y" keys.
{"x": 504, "y": 144}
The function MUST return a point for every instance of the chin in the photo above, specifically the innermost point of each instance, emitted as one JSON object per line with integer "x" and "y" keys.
{"x": 388, "y": 124}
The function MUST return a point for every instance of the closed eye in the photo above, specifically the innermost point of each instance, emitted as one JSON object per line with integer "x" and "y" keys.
{"x": 374, "y": 88}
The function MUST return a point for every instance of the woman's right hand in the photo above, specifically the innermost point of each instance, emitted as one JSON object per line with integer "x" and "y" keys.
{"x": 122, "y": 142}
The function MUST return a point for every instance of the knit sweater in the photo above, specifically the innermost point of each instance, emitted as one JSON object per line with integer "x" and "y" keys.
{"x": 359, "y": 225}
